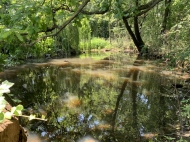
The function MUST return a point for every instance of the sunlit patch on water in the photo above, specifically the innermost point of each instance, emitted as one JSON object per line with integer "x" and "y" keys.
{"x": 103, "y": 127}
{"x": 100, "y": 126}
{"x": 75, "y": 61}
{"x": 108, "y": 111}
{"x": 72, "y": 101}
{"x": 127, "y": 79}
{"x": 145, "y": 92}
{"x": 148, "y": 136}
{"x": 87, "y": 139}
{"x": 101, "y": 74}
{"x": 40, "y": 64}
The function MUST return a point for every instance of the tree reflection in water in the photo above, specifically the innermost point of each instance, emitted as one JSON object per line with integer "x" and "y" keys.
{"x": 118, "y": 100}
{"x": 87, "y": 139}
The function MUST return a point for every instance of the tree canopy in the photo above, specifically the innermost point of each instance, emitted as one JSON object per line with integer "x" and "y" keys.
{"x": 26, "y": 26}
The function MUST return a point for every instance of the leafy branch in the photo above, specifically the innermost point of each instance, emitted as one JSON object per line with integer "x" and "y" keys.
{"x": 141, "y": 9}
{"x": 60, "y": 28}
{"x": 15, "y": 111}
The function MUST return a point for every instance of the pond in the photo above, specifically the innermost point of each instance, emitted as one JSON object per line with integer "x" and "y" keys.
{"x": 107, "y": 98}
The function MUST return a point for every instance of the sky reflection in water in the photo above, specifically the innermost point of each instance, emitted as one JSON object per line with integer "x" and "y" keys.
{"x": 94, "y": 100}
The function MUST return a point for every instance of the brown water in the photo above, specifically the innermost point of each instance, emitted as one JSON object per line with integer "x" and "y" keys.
{"x": 120, "y": 99}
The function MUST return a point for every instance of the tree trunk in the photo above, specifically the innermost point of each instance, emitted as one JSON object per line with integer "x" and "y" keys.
{"x": 136, "y": 37}
{"x": 139, "y": 11}
{"x": 137, "y": 33}
{"x": 166, "y": 16}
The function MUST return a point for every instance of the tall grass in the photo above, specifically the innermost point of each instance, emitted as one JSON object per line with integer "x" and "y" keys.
{"x": 95, "y": 43}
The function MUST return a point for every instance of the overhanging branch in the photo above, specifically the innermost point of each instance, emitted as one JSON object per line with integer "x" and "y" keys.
{"x": 149, "y": 4}
{"x": 60, "y": 28}
{"x": 65, "y": 7}
{"x": 142, "y": 9}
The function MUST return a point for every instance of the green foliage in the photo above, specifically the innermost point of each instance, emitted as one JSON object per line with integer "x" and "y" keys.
{"x": 181, "y": 140}
{"x": 68, "y": 40}
{"x": 15, "y": 111}
{"x": 2, "y": 61}
{"x": 25, "y": 22}
{"x": 85, "y": 34}
{"x": 178, "y": 43}
{"x": 168, "y": 138}
{"x": 186, "y": 108}
{"x": 99, "y": 26}
{"x": 96, "y": 43}
{"x": 99, "y": 43}
{"x": 109, "y": 28}
{"x": 95, "y": 55}
{"x": 43, "y": 47}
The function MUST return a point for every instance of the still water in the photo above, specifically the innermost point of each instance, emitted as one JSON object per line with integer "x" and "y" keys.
{"x": 92, "y": 98}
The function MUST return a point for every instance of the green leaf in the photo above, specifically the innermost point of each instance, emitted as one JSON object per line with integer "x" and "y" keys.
{"x": 1, "y": 117}
{"x": 16, "y": 100}
{"x": 43, "y": 117}
{"x": 32, "y": 117}
{"x": 2, "y": 103}
{"x": 17, "y": 110}
{"x": 5, "y": 34}
{"x": 19, "y": 107}
{"x": 13, "y": 109}
{"x": 10, "y": 95}
{"x": 4, "y": 87}
{"x": 8, "y": 115}
{"x": 19, "y": 36}
{"x": 9, "y": 84}
{"x": 17, "y": 113}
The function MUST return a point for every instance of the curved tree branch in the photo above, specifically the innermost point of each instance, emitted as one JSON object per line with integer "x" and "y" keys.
{"x": 142, "y": 9}
{"x": 65, "y": 7}
{"x": 149, "y": 4}
{"x": 63, "y": 25}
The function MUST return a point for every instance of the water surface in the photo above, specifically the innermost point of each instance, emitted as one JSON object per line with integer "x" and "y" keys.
{"x": 115, "y": 99}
